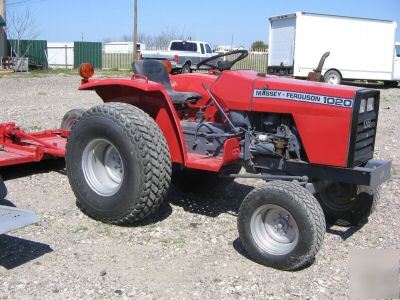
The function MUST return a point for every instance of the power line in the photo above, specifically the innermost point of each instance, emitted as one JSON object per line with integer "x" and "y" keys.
{"x": 24, "y": 2}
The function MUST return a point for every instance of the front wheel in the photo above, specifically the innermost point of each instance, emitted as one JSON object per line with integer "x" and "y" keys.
{"x": 118, "y": 163}
{"x": 281, "y": 225}
{"x": 348, "y": 204}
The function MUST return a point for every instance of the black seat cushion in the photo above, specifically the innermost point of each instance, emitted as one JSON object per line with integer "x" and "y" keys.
{"x": 155, "y": 71}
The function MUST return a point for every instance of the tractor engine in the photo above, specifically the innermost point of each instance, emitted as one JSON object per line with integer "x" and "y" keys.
{"x": 270, "y": 134}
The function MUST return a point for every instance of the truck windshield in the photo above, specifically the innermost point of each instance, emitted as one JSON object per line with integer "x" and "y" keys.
{"x": 184, "y": 46}
{"x": 398, "y": 50}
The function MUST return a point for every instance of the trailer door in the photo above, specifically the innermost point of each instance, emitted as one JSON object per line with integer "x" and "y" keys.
{"x": 282, "y": 42}
{"x": 396, "y": 74}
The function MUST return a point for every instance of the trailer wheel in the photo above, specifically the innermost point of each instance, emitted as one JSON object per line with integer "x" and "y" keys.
{"x": 118, "y": 163}
{"x": 202, "y": 181}
{"x": 332, "y": 77}
{"x": 281, "y": 225}
{"x": 70, "y": 118}
{"x": 391, "y": 83}
{"x": 186, "y": 68}
{"x": 348, "y": 204}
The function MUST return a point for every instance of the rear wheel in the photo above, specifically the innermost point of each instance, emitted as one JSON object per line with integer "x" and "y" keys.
{"x": 281, "y": 225}
{"x": 186, "y": 68}
{"x": 118, "y": 163}
{"x": 348, "y": 204}
{"x": 332, "y": 77}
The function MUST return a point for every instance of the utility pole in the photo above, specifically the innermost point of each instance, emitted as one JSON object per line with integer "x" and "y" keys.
{"x": 3, "y": 36}
{"x": 134, "y": 39}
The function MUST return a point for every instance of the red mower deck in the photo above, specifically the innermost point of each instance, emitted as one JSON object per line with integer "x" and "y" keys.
{"x": 18, "y": 146}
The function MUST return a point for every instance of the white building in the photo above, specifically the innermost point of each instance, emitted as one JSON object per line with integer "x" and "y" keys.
{"x": 122, "y": 47}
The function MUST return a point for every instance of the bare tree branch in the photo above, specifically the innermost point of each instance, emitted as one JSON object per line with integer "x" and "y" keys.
{"x": 22, "y": 26}
{"x": 158, "y": 41}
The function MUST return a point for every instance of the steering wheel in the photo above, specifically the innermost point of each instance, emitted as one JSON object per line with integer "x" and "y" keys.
{"x": 223, "y": 65}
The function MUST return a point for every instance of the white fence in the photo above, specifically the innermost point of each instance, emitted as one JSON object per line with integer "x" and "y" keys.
{"x": 60, "y": 55}
{"x": 257, "y": 60}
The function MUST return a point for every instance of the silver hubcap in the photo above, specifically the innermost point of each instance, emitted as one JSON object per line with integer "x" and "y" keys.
{"x": 274, "y": 229}
{"x": 333, "y": 79}
{"x": 102, "y": 167}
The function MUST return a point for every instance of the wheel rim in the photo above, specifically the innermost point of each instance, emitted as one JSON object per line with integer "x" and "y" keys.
{"x": 333, "y": 79}
{"x": 274, "y": 229}
{"x": 340, "y": 196}
{"x": 185, "y": 69}
{"x": 103, "y": 167}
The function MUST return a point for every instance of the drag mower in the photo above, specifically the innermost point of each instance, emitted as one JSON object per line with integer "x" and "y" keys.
{"x": 312, "y": 143}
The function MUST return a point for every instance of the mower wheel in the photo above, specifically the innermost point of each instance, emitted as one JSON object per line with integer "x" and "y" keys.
{"x": 71, "y": 117}
{"x": 202, "y": 181}
{"x": 118, "y": 163}
{"x": 348, "y": 204}
{"x": 281, "y": 225}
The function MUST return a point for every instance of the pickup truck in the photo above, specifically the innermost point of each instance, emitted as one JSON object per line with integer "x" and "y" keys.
{"x": 183, "y": 55}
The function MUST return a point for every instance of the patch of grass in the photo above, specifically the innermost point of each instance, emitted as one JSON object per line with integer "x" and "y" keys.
{"x": 81, "y": 228}
{"x": 151, "y": 226}
{"x": 66, "y": 72}
{"x": 394, "y": 171}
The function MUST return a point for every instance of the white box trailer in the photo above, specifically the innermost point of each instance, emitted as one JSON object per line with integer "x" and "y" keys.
{"x": 359, "y": 48}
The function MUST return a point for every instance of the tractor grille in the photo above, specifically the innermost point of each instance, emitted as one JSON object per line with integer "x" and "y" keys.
{"x": 365, "y": 138}
{"x": 362, "y": 141}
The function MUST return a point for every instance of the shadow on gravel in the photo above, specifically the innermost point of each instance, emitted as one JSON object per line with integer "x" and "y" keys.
{"x": 226, "y": 199}
{"x": 343, "y": 232}
{"x": 15, "y": 252}
{"x": 160, "y": 215}
{"x": 23, "y": 170}
{"x": 6, "y": 202}
{"x": 238, "y": 246}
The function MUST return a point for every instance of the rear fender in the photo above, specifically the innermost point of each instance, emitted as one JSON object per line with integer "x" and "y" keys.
{"x": 152, "y": 98}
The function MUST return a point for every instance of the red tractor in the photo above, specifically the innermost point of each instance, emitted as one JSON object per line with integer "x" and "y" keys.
{"x": 313, "y": 144}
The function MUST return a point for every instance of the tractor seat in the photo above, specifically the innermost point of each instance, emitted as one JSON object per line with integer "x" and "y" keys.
{"x": 155, "y": 71}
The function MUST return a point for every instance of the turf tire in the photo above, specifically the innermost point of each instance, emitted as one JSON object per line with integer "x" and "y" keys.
{"x": 145, "y": 156}
{"x": 305, "y": 210}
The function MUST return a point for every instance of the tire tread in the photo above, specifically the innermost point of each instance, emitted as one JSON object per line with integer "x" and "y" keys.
{"x": 140, "y": 129}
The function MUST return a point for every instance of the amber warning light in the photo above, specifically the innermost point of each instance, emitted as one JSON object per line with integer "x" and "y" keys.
{"x": 168, "y": 66}
{"x": 86, "y": 71}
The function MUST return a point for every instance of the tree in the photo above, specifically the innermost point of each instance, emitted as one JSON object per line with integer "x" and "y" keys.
{"x": 22, "y": 29}
{"x": 157, "y": 41}
{"x": 162, "y": 40}
{"x": 259, "y": 45}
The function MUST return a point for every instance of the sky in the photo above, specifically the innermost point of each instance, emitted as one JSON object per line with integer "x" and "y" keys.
{"x": 214, "y": 21}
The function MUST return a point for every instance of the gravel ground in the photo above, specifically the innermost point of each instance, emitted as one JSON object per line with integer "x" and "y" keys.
{"x": 189, "y": 250}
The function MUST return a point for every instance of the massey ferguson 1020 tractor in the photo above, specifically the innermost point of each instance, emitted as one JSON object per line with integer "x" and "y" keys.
{"x": 312, "y": 142}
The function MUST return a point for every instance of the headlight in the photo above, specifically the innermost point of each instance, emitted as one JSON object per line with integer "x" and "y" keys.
{"x": 363, "y": 106}
{"x": 370, "y": 104}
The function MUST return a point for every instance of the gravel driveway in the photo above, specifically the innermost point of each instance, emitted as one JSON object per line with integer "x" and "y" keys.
{"x": 189, "y": 250}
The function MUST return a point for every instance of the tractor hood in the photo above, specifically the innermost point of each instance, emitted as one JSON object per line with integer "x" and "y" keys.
{"x": 323, "y": 113}
{"x": 249, "y": 90}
